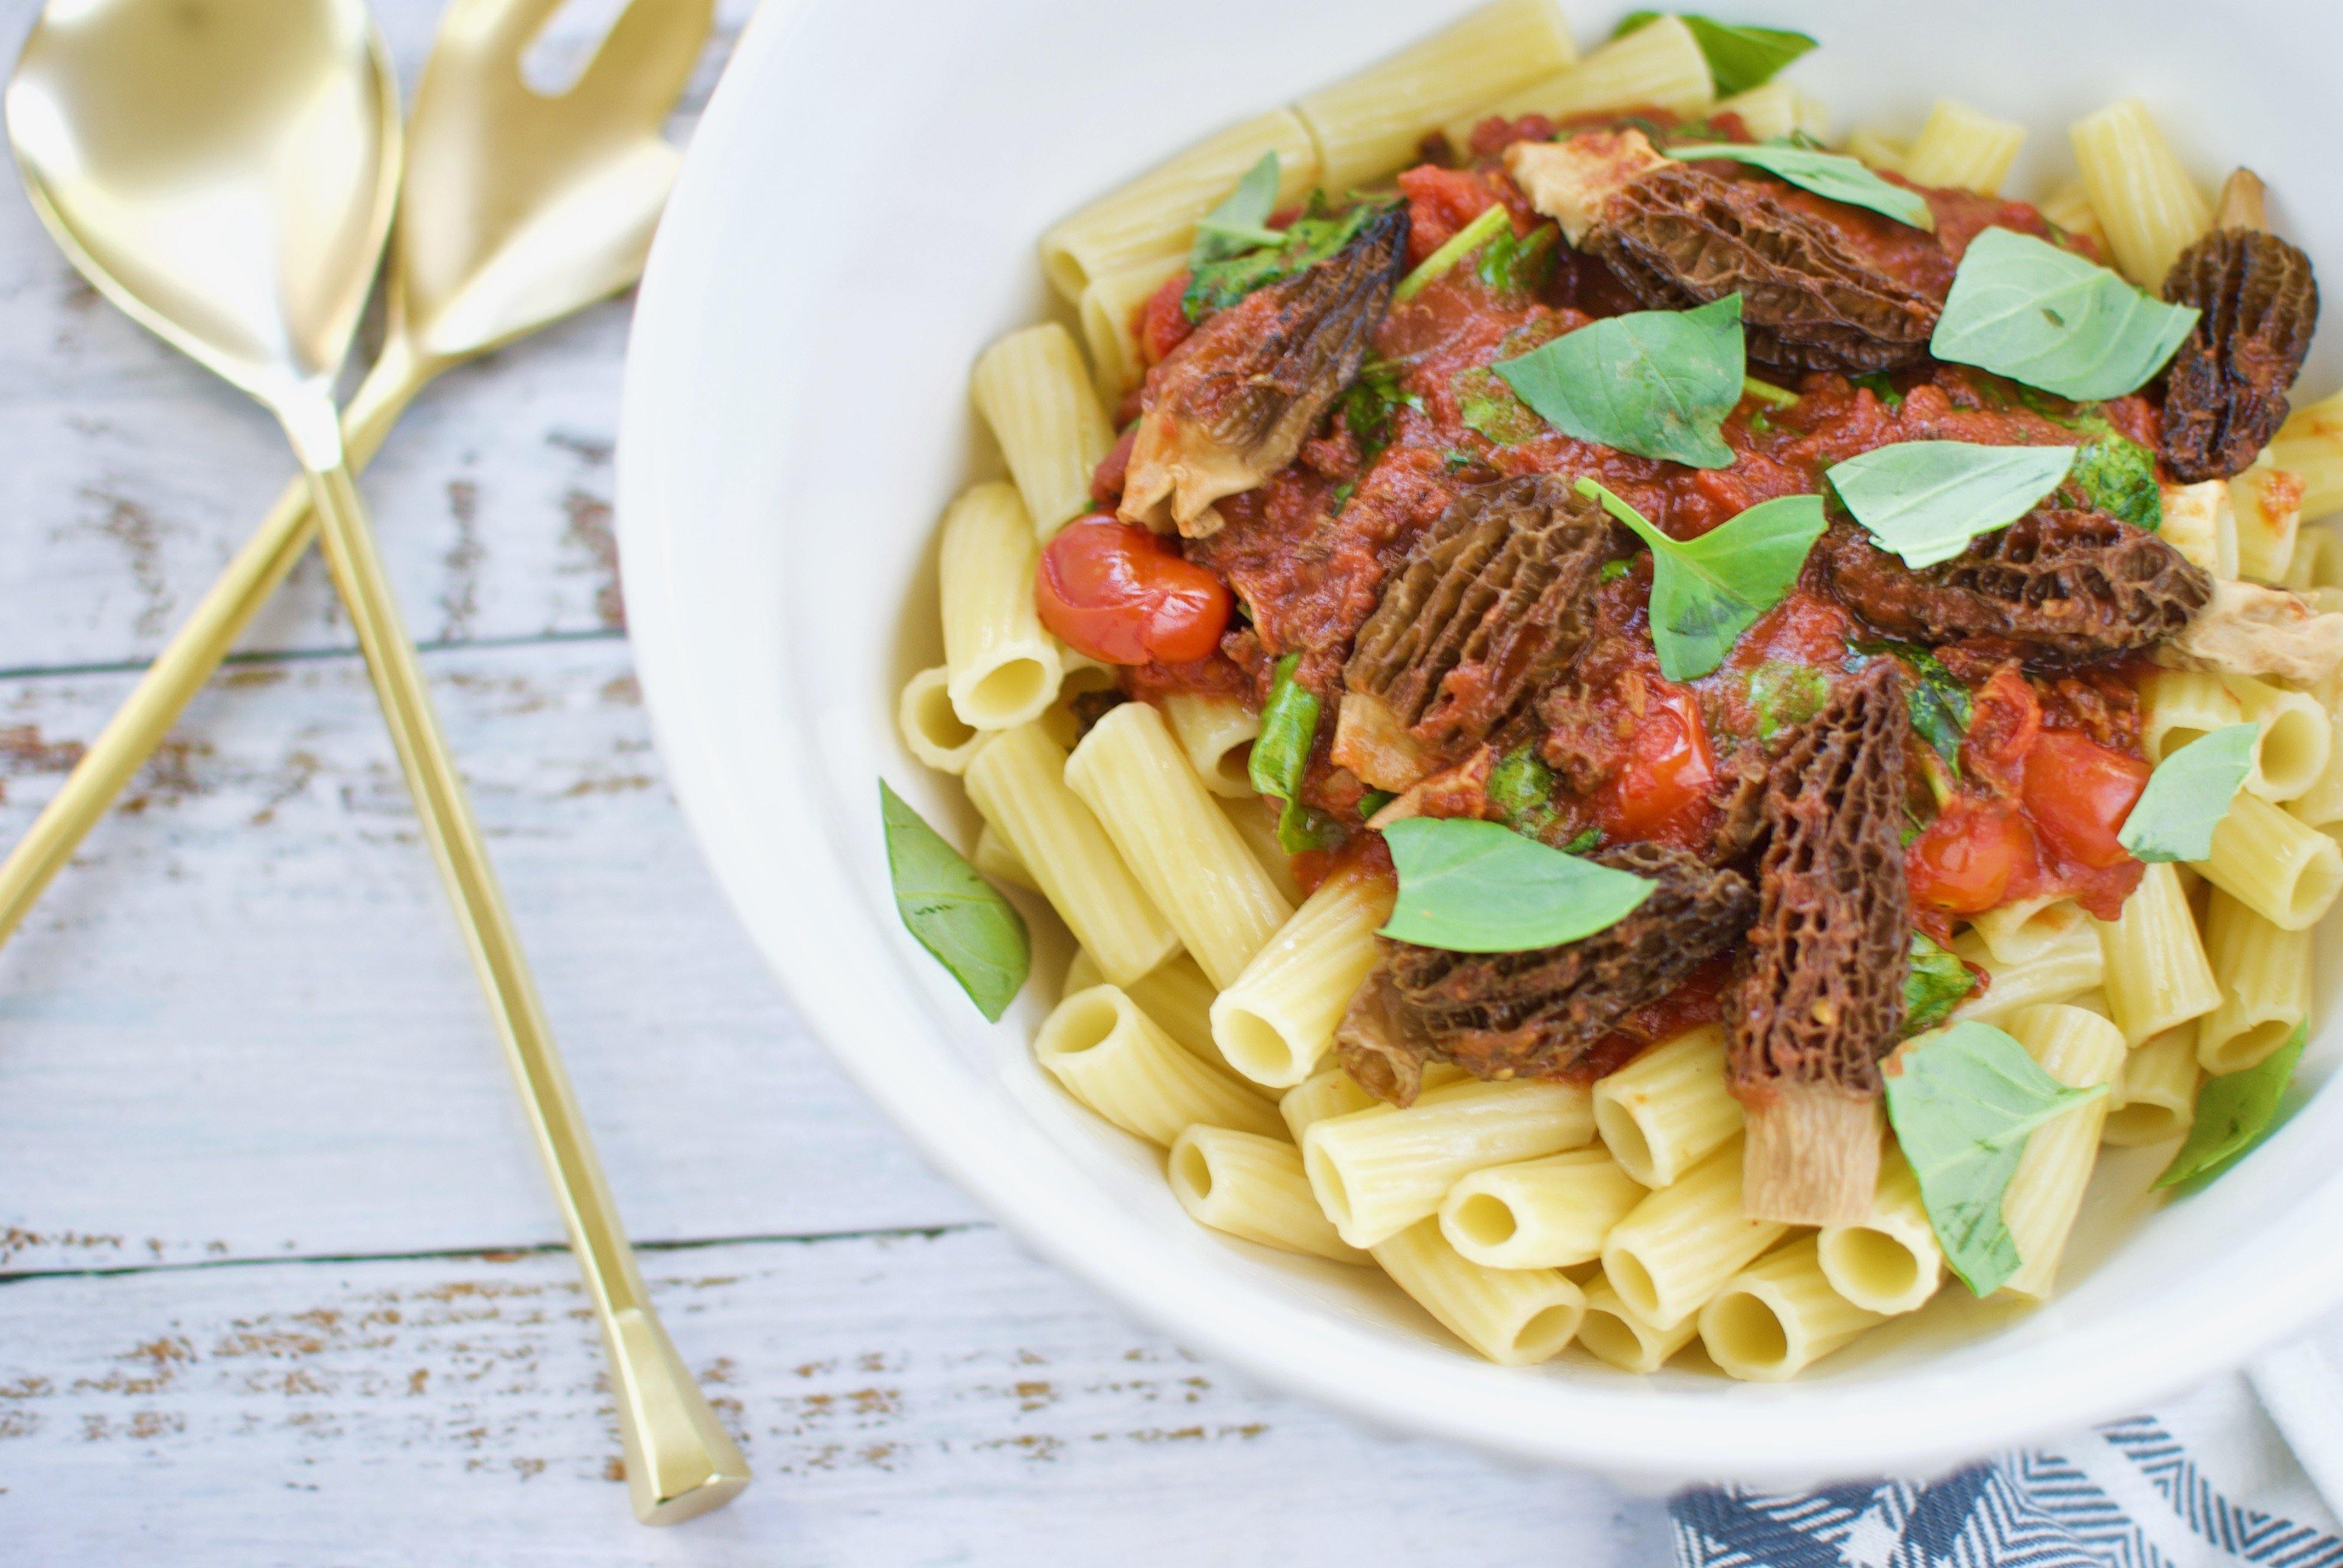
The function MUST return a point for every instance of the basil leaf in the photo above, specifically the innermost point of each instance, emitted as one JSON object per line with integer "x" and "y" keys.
{"x": 1288, "y": 727}
{"x": 1512, "y": 266}
{"x": 1705, "y": 592}
{"x": 1476, "y": 887}
{"x": 1739, "y": 58}
{"x": 1964, "y": 1103}
{"x": 1925, "y": 500}
{"x": 1311, "y": 240}
{"x": 2189, "y": 794}
{"x": 2233, "y": 1112}
{"x": 1242, "y": 220}
{"x": 2024, "y": 309}
{"x": 1933, "y": 986}
{"x": 1494, "y": 220}
{"x": 1485, "y": 403}
{"x": 2118, "y": 475}
{"x": 956, "y": 914}
{"x": 1841, "y": 179}
{"x": 1656, "y": 383}
{"x": 1938, "y": 704}
{"x": 1521, "y": 790}
{"x": 1785, "y": 693}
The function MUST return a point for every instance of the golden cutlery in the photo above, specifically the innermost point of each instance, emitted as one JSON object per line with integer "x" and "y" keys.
{"x": 225, "y": 171}
{"x": 515, "y": 209}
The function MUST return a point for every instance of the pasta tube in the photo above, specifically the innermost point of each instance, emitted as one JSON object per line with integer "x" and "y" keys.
{"x": 2070, "y": 207}
{"x": 1003, "y": 667}
{"x": 1217, "y": 734}
{"x": 2297, "y": 736}
{"x": 1612, "y": 1331}
{"x": 932, "y": 728}
{"x": 1378, "y": 1170}
{"x": 1659, "y": 63}
{"x": 1253, "y": 1187}
{"x": 1370, "y": 124}
{"x": 2069, "y": 967}
{"x": 1114, "y": 1058}
{"x": 1544, "y": 1213}
{"x": 1175, "y": 840}
{"x": 1666, "y": 1110}
{"x": 1890, "y": 1263}
{"x": 1153, "y": 218}
{"x": 2027, "y": 929}
{"x": 2178, "y": 706}
{"x": 2154, "y": 1092}
{"x": 995, "y": 859}
{"x": 2317, "y": 560}
{"x": 1333, "y": 1092}
{"x": 1515, "y": 1317}
{"x": 1255, "y": 821}
{"x": 1676, "y": 1248}
{"x": 1018, "y": 784}
{"x": 2283, "y": 869}
{"x": 2079, "y": 1050}
{"x": 1878, "y": 149}
{"x": 2200, "y": 522}
{"x": 2265, "y": 987}
{"x": 1034, "y": 393}
{"x": 1174, "y": 994}
{"x": 1775, "y": 111}
{"x": 2156, "y": 974}
{"x": 1964, "y": 149}
{"x": 1109, "y": 310}
{"x": 2149, "y": 207}
{"x": 1276, "y": 1022}
{"x": 2266, "y": 501}
{"x": 1779, "y": 1316}
{"x": 2311, "y": 443}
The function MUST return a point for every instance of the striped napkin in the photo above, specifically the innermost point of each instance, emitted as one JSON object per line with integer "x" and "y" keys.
{"x": 2246, "y": 1470}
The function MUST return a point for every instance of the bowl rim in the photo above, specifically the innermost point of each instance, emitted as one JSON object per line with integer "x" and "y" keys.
{"x": 1795, "y": 1431}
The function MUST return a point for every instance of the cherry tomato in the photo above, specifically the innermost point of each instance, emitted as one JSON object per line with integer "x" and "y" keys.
{"x": 1661, "y": 790}
{"x": 2005, "y": 718}
{"x": 1970, "y": 857}
{"x": 1164, "y": 323}
{"x": 2078, "y": 793}
{"x": 1123, "y": 595}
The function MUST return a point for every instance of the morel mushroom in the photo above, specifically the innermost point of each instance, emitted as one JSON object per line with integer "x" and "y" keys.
{"x": 2224, "y": 396}
{"x": 1821, "y": 996}
{"x": 1535, "y": 1014}
{"x": 2067, "y": 586}
{"x": 1232, "y": 404}
{"x": 1491, "y": 605}
{"x": 1678, "y": 235}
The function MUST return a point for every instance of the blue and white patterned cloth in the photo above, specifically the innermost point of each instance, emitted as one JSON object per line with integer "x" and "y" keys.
{"x": 2206, "y": 1482}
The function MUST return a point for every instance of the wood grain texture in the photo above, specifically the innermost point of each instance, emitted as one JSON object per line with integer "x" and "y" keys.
{"x": 277, "y": 1284}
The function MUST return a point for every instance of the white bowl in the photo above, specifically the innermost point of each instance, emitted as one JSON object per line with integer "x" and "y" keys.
{"x": 855, "y": 221}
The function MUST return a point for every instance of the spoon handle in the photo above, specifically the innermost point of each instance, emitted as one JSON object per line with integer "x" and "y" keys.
{"x": 196, "y": 649}
{"x": 679, "y": 1460}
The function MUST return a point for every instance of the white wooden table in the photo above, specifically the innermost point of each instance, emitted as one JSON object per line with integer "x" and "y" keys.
{"x": 279, "y": 1279}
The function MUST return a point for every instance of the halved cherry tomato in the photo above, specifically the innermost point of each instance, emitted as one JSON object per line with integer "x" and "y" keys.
{"x": 2005, "y": 717}
{"x": 2078, "y": 793}
{"x": 1661, "y": 790}
{"x": 1125, "y": 595}
{"x": 1971, "y": 857}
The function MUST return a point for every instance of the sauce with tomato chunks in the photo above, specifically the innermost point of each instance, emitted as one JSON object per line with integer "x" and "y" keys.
{"x": 2023, "y": 802}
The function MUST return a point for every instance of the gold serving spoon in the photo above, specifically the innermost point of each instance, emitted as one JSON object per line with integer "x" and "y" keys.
{"x": 225, "y": 170}
{"x": 515, "y": 210}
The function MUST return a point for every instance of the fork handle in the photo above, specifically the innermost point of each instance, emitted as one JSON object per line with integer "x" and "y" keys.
{"x": 679, "y": 1460}
{"x": 196, "y": 649}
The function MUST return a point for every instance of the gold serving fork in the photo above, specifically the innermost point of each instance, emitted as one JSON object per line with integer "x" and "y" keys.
{"x": 153, "y": 136}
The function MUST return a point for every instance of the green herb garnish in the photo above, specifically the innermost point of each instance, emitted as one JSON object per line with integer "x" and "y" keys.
{"x": 1458, "y": 246}
{"x": 1938, "y": 703}
{"x": 1521, "y": 787}
{"x": 2024, "y": 309}
{"x": 1933, "y": 986}
{"x": 1313, "y": 237}
{"x": 1827, "y": 174}
{"x": 2118, "y": 475}
{"x": 1521, "y": 265}
{"x": 2233, "y": 1113}
{"x": 1785, "y": 693}
{"x": 1281, "y": 756}
{"x": 1705, "y": 592}
{"x": 1963, "y": 1103}
{"x": 1242, "y": 220}
{"x": 1766, "y": 392}
{"x": 1925, "y": 500}
{"x": 1486, "y": 404}
{"x": 1879, "y": 387}
{"x": 1656, "y": 383}
{"x": 1739, "y": 57}
{"x": 2189, "y": 794}
{"x": 956, "y": 915}
{"x": 1585, "y": 839}
{"x": 1476, "y": 887}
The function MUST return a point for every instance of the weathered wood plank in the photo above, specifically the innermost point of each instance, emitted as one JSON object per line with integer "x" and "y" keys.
{"x": 242, "y": 1024}
{"x": 912, "y": 1399}
{"x": 132, "y": 475}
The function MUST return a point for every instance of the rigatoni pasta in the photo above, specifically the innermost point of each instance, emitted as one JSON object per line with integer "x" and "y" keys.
{"x": 1669, "y": 1110}
{"x": 1109, "y": 306}
{"x": 1003, "y": 669}
{"x": 1891, "y": 1263}
{"x": 1113, "y": 1059}
{"x": 1253, "y": 1186}
{"x": 1378, "y": 1170}
{"x": 2276, "y": 865}
{"x": 2147, "y": 204}
{"x": 1961, "y": 147}
{"x": 1676, "y": 1248}
{"x": 2155, "y": 972}
{"x": 1275, "y": 1022}
{"x": 2265, "y": 987}
{"x": 1035, "y": 393}
{"x": 1657, "y": 64}
{"x": 1216, "y": 731}
{"x": 933, "y": 730}
{"x": 1611, "y": 1331}
{"x": 1779, "y": 1316}
{"x": 2154, "y": 1097}
{"x": 1515, "y": 1317}
{"x": 2081, "y": 1050}
{"x": 1548, "y": 1214}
